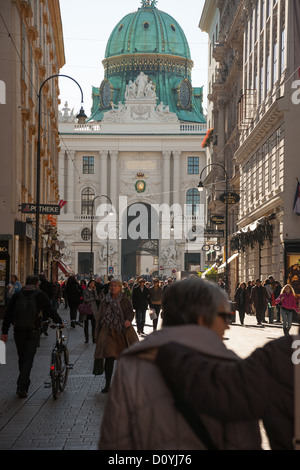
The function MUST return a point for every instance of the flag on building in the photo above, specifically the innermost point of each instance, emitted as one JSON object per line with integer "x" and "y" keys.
{"x": 62, "y": 203}
{"x": 297, "y": 200}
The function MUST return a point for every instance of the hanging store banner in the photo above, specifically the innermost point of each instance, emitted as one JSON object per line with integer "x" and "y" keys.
{"x": 229, "y": 198}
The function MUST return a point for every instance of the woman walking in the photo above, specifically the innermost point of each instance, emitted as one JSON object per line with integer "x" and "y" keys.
{"x": 91, "y": 297}
{"x": 114, "y": 331}
{"x": 288, "y": 303}
{"x": 242, "y": 301}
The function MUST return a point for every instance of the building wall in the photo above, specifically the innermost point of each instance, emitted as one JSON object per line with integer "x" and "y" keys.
{"x": 33, "y": 52}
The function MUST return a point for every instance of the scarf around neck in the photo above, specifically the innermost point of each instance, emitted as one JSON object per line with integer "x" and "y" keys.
{"x": 113, "y": 317}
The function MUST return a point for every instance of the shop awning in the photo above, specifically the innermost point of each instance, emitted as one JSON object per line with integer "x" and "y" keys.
{"x": 222, "y": 267}
{"x": 65, "y": 269}
{"x": 203, "y": 275}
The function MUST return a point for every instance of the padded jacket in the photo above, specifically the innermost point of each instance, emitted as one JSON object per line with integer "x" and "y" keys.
{"x": 140, "y": 412}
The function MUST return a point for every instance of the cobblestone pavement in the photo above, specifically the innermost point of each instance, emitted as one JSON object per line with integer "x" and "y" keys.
{"x": 72, "y": 422}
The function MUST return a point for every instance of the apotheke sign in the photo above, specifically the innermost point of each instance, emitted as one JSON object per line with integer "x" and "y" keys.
{"x": 44, "y": 209}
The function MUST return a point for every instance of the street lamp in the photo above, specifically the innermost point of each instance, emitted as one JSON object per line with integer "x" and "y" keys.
{"x": 200, "y": 188}
{"x": 80, "y": 116}
{"x": 92, "y": 230}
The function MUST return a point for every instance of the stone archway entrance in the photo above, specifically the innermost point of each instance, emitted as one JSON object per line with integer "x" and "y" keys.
{"x": 140, "y": 240}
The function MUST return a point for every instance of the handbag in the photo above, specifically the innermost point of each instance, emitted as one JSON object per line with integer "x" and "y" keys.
{"x": 85, "y": 309}
{"x": 152, "y": 314}
{"x": 131, "y": 336}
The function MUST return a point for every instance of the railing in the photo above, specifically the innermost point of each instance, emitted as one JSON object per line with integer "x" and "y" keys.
{"x": 193, "y": 128}
{"x": 87, "y": 127}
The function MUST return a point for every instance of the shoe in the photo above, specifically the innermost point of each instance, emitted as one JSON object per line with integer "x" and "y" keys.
{"x": 22, "y": 393}
{"x": 46, "y": 333}
{"x": 72, "y": 324}
{"x": 105, "y": 389}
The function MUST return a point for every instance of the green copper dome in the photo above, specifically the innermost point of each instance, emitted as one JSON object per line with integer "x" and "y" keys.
{"x": 148, "y": 30}
{"x": 149, "y": 41}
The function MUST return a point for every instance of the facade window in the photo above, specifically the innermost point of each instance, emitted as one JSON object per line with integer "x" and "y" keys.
{"x": 86, "y": 234}
{"x": 88, "y": 165}
{"x": 192, "y": 201}
{"x": 87, "y": 197}
{"x": 282, "y": 64}
{"x": 193, "y": 165}
{"x": 275, "y": 63}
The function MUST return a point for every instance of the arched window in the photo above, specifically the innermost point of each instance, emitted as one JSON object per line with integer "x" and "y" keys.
{"x": 192, "y": 201}
{"x": 87, "y": 197}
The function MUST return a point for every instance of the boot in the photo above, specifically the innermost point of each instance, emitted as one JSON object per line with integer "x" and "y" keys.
{"x": 108, "y": 370}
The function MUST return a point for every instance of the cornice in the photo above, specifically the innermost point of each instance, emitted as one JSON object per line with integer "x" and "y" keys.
{"x": 262, "y": 128}
{"x": 56, "y": 23}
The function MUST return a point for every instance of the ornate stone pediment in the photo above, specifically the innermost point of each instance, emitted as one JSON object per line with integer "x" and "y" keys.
{"x": 140, "y": 105}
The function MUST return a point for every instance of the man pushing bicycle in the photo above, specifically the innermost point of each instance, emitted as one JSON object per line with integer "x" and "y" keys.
{"x": 26, "y": 311}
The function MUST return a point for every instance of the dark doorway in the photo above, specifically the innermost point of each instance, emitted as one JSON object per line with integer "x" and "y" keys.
{"x": 140, "y": 234}
{"x": 84, "y": 263}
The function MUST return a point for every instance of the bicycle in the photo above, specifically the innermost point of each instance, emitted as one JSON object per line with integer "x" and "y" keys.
{"x": 59, "y": 365}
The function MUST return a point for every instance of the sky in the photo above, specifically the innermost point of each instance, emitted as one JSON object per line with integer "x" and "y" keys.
{"x": 87, "y": 26}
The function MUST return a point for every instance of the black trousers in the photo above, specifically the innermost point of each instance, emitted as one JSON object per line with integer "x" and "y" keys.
{"x": 89, "y": 318}
{"x": 26, "y": 343}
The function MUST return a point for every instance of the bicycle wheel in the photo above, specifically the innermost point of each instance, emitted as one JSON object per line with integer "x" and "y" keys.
{"x": 54, "y": 374}
{"x": 64, "y": 369}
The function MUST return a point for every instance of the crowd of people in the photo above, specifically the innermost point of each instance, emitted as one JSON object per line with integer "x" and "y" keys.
{"x": 181, "y": 380}
{"x": 267, "y": 298}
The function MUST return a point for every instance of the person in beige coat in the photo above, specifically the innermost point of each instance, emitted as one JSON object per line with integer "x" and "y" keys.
{"x": 140, "y": 412}
{"x": 114, "y": 331}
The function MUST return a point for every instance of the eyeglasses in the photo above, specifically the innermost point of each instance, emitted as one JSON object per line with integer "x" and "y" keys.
{"x": 227, "y": 317}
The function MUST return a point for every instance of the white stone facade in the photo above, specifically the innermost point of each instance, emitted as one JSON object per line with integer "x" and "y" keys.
{"x": 139, "y": 143}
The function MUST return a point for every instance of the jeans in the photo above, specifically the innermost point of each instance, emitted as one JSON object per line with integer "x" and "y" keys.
{"x": 140, "y": 315}
{"x": 26, "y": 343}
{"x": 90, "y": 318}
{"x": 287, "y": 318}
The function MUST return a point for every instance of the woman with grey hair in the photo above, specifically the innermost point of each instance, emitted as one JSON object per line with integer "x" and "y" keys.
{"x": 141, "y": 412}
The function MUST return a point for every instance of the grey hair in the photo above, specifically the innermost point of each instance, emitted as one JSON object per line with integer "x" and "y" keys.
{"x": 186, "y": 301}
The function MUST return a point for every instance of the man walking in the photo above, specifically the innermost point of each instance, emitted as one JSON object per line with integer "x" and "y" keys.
{"x": 24, "y": 312}
{"x": 140, "y": 302}
{"x": 260, "y": 299}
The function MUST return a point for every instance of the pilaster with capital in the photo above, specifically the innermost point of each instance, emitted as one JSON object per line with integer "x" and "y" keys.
{"x": 176, "y": 177}
{"x": 165, "y": 189}
{"x": 114, "y": 177}
{"x": 71, "y": 182}
{"x": 103, "y": 171}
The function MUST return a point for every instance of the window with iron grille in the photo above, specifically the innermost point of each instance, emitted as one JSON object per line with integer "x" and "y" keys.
{"x": 87, "y": 197}
{"x": 88, "y": 165}
{"x": 193, "y": 165}
{"x": 192, "y": 201}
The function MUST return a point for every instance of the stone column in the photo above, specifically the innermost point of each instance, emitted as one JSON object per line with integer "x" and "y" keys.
{"x": 103, "y": 172}
{"x": 71, "y": 184}
{"x": 176, "y": 177}
{"x": 165, "y": 189}
{"x": 114, "y": 178}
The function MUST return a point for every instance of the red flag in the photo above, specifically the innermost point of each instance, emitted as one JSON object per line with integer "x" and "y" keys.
{"x": 62, "y": 203}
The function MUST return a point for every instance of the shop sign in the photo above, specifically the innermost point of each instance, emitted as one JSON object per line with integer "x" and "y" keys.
{"x": 217, "y": 219}
{"x": 229, "y": 198}
{"x": 44, "y": 209}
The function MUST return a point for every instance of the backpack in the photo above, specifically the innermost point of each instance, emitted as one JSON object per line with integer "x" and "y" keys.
{"x": 26, "y": 315}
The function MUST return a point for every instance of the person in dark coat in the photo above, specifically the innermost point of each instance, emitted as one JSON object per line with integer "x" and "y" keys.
{"x": 140, "y": 302}
{"x": 260, "y": 299}
{"x": 258, "y": 387}
{"x": 74, "y": 294}
{"x": 242, "y": 301}
{"x": 27, "y": 340}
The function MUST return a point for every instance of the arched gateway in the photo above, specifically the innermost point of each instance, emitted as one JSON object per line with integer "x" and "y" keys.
{"x": 140, "y": 240}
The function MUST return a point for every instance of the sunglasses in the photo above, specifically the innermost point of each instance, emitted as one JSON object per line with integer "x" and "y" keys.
{"x": 227, "y": 317}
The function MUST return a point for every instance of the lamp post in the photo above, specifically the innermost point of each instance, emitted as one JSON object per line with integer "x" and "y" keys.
{"x": 201, "y": 188}
{"x": 92, "y": 230}
{"x": 81, "y": 115}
